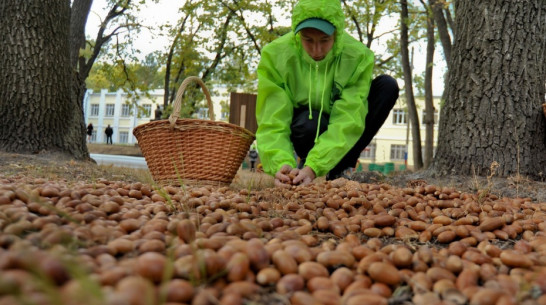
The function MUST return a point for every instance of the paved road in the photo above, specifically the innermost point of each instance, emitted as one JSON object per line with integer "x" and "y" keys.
{"x": 122, "y": 161}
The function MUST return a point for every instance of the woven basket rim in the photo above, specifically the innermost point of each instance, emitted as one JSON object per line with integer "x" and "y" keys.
{"x": 166, "y": 143}
{"x": 188, "y": 121}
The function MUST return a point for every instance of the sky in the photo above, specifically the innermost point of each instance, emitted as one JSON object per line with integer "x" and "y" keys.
{"x": 166, "y": 11}
{"x": 151, "y": 15}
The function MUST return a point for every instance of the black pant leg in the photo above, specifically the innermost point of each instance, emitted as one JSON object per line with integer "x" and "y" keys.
{"x": 383, "y": 94}
{"x": 304, "y": 130}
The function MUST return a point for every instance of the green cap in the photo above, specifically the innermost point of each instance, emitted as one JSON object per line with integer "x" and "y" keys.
{"x": 316, "y": 23}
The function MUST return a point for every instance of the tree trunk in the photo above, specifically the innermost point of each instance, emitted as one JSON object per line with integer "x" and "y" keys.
{"x": 38, "y": 106}
{"x": 169, "y": 63}
{"x": 408, "y": 88}
{"x": 443, "y": 32}
{"x": 78, "y": 20}
{"x": 428, "y": 120}
{"x": 438, "y": 9}
{"x": 496, "y": 87}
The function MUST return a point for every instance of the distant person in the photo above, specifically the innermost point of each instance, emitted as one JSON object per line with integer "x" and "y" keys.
{"x": 253, "y": 157}
{"x": 109, "y": 131}
{"x": 158, "y": 113}
{"x": 89, "y": 132}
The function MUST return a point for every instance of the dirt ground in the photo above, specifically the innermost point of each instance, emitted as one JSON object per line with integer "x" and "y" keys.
{"x": 24, "y": 169}
{"x": 31, "y": 172}
{"x": 54, "y": 166}
{"x": 512, "y": 187}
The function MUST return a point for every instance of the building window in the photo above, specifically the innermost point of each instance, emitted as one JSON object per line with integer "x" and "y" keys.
{"x": 110, "y": 110}
{"x": 435, "y": 117}
{"x": 94, "y": 136}
{"x": 368, "y": 152}
{"x": 123, "y": 137}
{"x": 125, "y": 110}
{"x": 146, "y": 110}
{"x": 399, "y": 116}
{"x": 94, "y": 110}
{"x": 398, "y": 152}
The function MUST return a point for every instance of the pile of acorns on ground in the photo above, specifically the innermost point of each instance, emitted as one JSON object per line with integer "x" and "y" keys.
{"x": 336, "y": 242}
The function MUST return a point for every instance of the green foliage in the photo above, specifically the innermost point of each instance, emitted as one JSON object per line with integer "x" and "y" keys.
{"x": 143, "y": 76}
{"x": 364, "y": 17}
{"x": 220, "y": 41}
{"x": 87, "y": 52}
{"x": 149, "y": 72}
{"x": 134, "y": 79}
{"x": 419, "y": 83}
{"x": 99, "y": 79}
{"x": 225, "y": 108}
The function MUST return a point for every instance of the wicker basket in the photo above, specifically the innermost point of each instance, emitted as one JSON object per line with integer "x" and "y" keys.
{"x": 193, "y": 151}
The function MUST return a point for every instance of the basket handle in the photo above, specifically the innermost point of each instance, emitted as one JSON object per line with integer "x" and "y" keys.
{"x": 178, "y": 101}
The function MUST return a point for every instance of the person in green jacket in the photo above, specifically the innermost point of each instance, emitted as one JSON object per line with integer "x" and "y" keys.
{"x": 316, "y": 97}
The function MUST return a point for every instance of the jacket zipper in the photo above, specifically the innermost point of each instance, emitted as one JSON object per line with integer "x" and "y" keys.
{"x": 317, "y": 90}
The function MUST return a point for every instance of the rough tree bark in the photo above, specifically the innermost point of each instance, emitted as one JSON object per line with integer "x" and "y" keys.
{"x": 38, "y": 106}
{"x": 78, "y": 20}
{"x": 496, "y": 87}
{"x": 408, "y": 87}
{"x": 80, "y": 65}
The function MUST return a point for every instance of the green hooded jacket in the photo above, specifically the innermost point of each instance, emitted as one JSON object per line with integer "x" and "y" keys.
{"x": 338, "y": 85}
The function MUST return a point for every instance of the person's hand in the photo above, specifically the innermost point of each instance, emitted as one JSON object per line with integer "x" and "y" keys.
{"x": 288, "y": 176}
{"x": 305, "y": 176}
{"x": 283, "y": 178}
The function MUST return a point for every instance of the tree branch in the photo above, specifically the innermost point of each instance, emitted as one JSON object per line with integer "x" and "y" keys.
{"x": 245, "y": 26}
{"x": 219, "y": 56}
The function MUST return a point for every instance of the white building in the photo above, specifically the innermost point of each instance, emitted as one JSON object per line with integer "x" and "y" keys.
{"x": 392, "y": 144}
{"x": 123, "y": 115}
{"x": 393, "y": 141}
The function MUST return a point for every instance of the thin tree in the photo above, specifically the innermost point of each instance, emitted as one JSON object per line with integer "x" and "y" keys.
{"x": 444, "y": 25}
{"x": 428, "y": 119}
{"x": 492, "y": 114}
{"x": 439, "y": 13}
{"x": 408, "y": 86}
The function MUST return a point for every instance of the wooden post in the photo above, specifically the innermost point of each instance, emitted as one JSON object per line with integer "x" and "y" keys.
{"x": 242, "y": 110}
{"x": 242, "y": 120}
